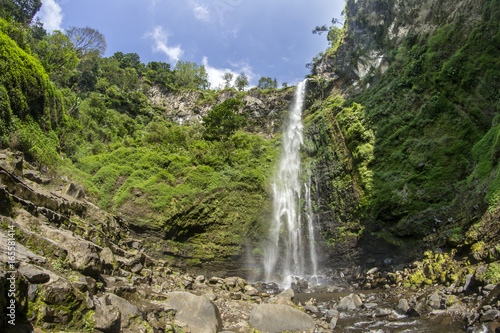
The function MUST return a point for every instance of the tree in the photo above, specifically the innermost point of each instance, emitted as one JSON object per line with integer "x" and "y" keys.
{"x": 223, "y": 121}
{"x": 227, "y": 77}
{"x": 267, "y": 83}
{"x": 334, "y": 33}
{"x": 189, "y": 75}
{"x": 57, "y": 55}
{"x": 21, "y": 11}
{"x": 241, "y": 81}
{"x": 87, "y": 40}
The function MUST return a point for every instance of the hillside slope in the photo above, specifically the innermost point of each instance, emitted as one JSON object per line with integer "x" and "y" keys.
{"x": 411, "y": 92}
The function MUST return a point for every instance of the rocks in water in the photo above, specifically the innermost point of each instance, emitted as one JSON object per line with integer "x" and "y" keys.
{"x": 279, "y": 318}
{"x": 251, "y": 291}
{"x": 381, "y": 312}
{"x": 490, "y": 315}
{"x": 198, "y": 312}
{"x": 349, "y": 303}
{"x": 403, "y": 306}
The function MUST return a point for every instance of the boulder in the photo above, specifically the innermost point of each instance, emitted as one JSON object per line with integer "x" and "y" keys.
{"x": 75, "y": 191}
{"x": 251, "y": 291}
{"x": 434, "y": 301}
{"x": 33, "y": 274}
{"x": 35, "y": 177}
{"x": 198, "y": 312}
{"x": 490, "y": 315}
{"x": 107, "y": 319}
{"x": 403, "y": 306}
{"x": 279, "y": 318}
{"x": 349, "y": 303}
{"x": 83, "y": 257}
{"x": 127, "y": 311}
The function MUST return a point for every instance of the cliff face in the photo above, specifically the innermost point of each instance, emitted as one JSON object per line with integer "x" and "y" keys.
{"x": 264, "y": 110}
{"x": 374, "y": 28}
{"x": 410, "y": 100}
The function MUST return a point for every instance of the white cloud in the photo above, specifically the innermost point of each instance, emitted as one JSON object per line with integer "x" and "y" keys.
{"x": 201, "y": 12}
{"x": 50, "y": 15}
{"x": 215, "y": 74}
{"x": 160, "y": 38}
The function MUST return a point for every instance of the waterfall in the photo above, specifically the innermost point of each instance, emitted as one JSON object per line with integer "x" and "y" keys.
{"x": 310, "y": 227}
{"x": 284, "y": 256}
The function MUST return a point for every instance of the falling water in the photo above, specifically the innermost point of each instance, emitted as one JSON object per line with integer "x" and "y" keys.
{"x": 285, "y": 253}
{"x": 310, "y": 227}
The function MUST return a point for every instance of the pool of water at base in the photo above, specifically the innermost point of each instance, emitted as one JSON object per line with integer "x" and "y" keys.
{"x": 364, "y": 320}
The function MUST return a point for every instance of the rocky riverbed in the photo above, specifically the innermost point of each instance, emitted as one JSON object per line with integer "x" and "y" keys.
{"x": 78, "y": 268}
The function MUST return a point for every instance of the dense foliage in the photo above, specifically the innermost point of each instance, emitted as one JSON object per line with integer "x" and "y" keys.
{"x": 423, "y": 136}
{"x": 74, "y": 112}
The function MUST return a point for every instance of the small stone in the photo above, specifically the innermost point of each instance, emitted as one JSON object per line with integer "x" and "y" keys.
{"x": 332, "y": 313}
{"x": 468, "y": 279}
{"x": 372, "y": 271}
{"x": 333, "y": 323}
{"x": 382, "y": 312}
{"x": 311, "y": 308}
{"x": 489, "y": 287}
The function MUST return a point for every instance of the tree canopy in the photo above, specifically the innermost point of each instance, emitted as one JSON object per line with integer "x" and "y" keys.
{"x": 87, "y": 40}
{"x": 267, "y": 83}
{"x": 223, "y": 120}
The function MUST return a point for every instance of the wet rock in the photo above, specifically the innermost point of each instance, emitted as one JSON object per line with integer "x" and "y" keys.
{"x": 34, "y": 274}
{"x": 251, "y": 291}
{"x": 372, "y": 271}
{"x": 490, "y": 315}
{"x": 331, "y": 314}
{"x": 107, "y": 319}
{"x": 381, "y": 312}
{"x": 333, "y": 323}
{"x": 349, "y": 303}
{"x": 199, "y": 313}
{"x": 403, "y": 306}
{"x": 279, "y": 318}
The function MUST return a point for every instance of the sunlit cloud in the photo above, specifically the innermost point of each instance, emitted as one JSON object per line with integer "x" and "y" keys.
{"x": 215, "y": 74}
{"x": 160, "y": 38}
{"x": 50, "y": 15}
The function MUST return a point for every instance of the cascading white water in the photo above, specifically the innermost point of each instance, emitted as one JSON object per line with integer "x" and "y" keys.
{"x": 281, "y": 261}
{"x": 310, "y": 227}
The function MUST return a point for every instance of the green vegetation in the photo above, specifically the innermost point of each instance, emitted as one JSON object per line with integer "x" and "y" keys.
{"x": 423, "y": 137}
{"x": 72, "y": 111}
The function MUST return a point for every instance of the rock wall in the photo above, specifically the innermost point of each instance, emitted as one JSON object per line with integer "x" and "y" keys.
{"x": 373, "y": 28}
{"x": 264, "y": 110}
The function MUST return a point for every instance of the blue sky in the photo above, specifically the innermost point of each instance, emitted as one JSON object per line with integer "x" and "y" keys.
{"x": 270, "y": 38}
